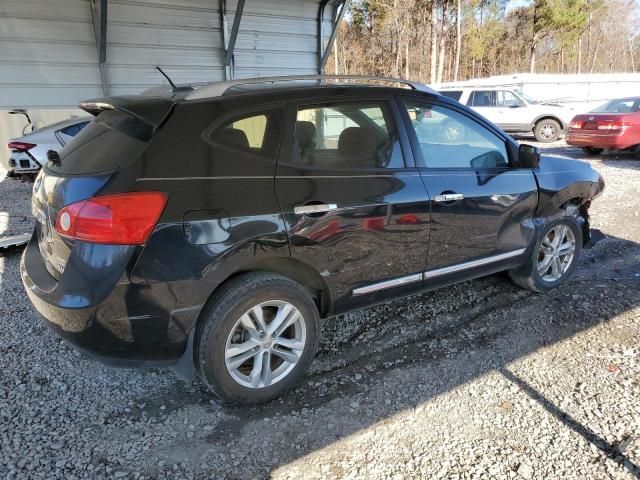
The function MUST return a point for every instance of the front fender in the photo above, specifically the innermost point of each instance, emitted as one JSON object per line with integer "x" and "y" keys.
{"x": 562, "y": 181}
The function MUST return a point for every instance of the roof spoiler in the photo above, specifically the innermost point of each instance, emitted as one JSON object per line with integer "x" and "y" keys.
{"x": 151, "y": 110}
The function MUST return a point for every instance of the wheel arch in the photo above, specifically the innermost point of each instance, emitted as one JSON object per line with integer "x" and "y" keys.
{"x": 548, "y": 116}
{"x": 288, "y": 267}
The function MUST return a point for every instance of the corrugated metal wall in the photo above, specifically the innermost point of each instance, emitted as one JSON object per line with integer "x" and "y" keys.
{"x": 49, "y": 56}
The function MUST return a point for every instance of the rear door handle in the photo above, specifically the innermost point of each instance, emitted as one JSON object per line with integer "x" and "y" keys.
{"x": 448, "y": 197}
{"x": 315, "y": 208}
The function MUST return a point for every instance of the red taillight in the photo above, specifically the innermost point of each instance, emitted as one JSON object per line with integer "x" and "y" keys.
{"x": 120, "y": 219}
{"x": 20, "y": 146}
{"x": 575, "y": 124}
{"x": 612, "y": 125}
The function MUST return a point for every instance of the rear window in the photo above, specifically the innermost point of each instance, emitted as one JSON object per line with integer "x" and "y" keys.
{"x": 453, "y": 94}
{"x": 112, "y": 139}
{"x": 73, "y": 130}
{"x": 627, "y": 105}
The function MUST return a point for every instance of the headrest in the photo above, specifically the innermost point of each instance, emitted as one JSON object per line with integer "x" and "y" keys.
{"x": 305, "y": 135}
{"x": 232, "y": 137}
{"x": 358, "y": 142}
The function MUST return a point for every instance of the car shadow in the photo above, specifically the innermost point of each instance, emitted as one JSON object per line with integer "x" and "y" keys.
{"x": 428, "y": 345}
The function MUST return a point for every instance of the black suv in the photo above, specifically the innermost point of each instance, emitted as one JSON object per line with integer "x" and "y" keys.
{"x": 213, "y": 227}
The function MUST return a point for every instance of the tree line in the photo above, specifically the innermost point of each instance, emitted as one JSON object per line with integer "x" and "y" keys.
{"x": 448, "y": 40}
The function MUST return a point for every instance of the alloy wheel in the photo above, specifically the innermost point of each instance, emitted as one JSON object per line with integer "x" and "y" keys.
{"x": 556, "y": 253}
{"x": 265, "y": 344}
{"x": 547, "y": 131}
{"x": 453, "y": 132}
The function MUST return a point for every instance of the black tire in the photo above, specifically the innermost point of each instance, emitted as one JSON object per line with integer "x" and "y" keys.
{"x": 592, "y": 150}
{"x": 528, "y": 276}
{"x": 218, "y": 319}
{"x": 547, "y": 130}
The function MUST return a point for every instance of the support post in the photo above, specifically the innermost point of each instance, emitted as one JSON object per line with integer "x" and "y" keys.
{"x": 99, "y": 17}
{"x": 337, "y": 18}
{"x": 228, "y": 57}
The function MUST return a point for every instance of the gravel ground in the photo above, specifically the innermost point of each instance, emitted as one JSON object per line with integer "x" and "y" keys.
{"x": 480, "y": 380}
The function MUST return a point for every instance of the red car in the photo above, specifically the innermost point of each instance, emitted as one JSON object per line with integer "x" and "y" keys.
{"x": 614, "y": 125}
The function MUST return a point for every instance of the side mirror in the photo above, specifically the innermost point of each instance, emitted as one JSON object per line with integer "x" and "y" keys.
{"x": 528, "y": 156}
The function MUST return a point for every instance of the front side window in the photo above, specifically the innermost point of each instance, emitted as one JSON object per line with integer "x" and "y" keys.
{"x": 449, "y": 139}
{"x": 347, "y": 135}
{"x": 251, "y": 133}
{"x": 505, "y": 98}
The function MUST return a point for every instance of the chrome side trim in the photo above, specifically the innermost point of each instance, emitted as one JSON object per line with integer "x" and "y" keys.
{"x": 473, "y": 263}
{"x": 317, "y": 208}
{"x": 395, "y": 282}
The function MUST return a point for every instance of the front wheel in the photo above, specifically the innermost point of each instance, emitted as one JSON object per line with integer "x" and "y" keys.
{"x": 547, "y": 130}
{"x": 554, "y": 256}
{"x": 257, "y": 338}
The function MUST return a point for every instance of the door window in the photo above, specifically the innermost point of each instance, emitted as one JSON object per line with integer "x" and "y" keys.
{"x": 347, "y": 136}
{"x": 449, "y": 139}
{"x": 483, "y": 98}
{"x": 505, "y": 98}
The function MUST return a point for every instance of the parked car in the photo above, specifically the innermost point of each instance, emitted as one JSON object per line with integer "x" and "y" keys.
{"x": 29, "y": 152}
{"x": 213, "y": 229}
{"x": 514, "y": 112}
{"x": 614, "y": 125}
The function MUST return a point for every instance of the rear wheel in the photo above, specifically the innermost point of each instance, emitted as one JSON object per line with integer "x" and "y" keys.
{"x": 592, "y": 150}
{"x": 554, "y": 256}
{"x": 547, "y": 130}
{"x": 257, "y": 338}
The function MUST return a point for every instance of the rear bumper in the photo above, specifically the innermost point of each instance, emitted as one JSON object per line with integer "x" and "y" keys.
{"x": 601, "y": 140}
{"x": 135, "y": 325}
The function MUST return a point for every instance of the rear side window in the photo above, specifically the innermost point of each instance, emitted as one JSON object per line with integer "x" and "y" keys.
{"x": 482, "y": 98}
{"x": 256, "y": 133}
{"x": 347, "y": 135}
{"x": 452, "y": 94}
{"x": 73, "y": 130}
{"x": 112, "y": 139}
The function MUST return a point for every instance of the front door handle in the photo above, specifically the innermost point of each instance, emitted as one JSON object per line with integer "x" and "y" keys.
{"x": 448, "y": 197}
{"x": 315, "y": 208}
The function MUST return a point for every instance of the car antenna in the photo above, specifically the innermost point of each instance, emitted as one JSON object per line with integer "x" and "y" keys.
{"x": 174, "y": 87}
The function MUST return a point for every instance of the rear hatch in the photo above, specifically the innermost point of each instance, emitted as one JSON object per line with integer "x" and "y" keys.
{"x": 119, "y": 133}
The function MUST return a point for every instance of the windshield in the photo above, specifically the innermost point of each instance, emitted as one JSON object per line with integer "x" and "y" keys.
{"x": 527, "y": 98}
{"x": 624, "y": 105}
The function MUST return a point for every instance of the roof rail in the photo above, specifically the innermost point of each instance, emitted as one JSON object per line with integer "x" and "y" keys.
{"x": 217, "y": 89}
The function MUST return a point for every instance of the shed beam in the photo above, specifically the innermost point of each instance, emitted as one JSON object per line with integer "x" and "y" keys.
{"x": 337, "y": 18}
{"x": 99, "y": 17}
{"x": 228, "y": 56}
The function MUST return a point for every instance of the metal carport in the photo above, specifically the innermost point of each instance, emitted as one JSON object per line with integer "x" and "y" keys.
{"x": 58, "y": 52}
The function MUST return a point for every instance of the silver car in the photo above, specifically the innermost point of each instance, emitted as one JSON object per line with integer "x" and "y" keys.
{"x": 29, "y": 152}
